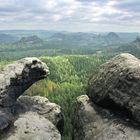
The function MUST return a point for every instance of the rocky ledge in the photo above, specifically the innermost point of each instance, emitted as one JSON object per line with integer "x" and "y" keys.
{"x": 24, "y": 117}
{"x": 111, "y": 108}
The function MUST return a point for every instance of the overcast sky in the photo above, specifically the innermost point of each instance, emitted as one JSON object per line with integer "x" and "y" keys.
{"x": 71, "y": 15}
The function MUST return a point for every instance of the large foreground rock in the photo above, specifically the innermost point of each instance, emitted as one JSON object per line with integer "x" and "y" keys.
{"x": 30, "y": 126}
{"x": 43, "y": 107}
{"x": 117, "y": 85}
{"x": 35, "y": 118}
{"x": 14, "y": 80}
{"x": 27, "y": 118}
{"x": 92, "y": 122}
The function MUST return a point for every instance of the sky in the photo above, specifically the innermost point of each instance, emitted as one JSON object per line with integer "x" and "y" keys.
{"x": 71, "y": 15}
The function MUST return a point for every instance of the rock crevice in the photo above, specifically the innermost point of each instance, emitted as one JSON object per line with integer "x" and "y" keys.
{"x": 92, "y": 122}
{"x": 111, "y": 108}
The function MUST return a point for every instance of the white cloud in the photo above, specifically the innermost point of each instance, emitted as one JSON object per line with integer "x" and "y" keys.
{"x": 72, "y": 13}
{"x": 56, "y": 17}
{"x": 48, "y": 4}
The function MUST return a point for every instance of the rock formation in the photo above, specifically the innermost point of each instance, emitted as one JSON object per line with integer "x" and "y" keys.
{"x": 24, "y": 117}
{"x": 43, "y": 107}
{"x": 111, "y": 111}
{"x": 16, "y": 78}
{"x": 117, "y": 84}
{"x": 92, "y": 122}
{"x": 35, "y": 118}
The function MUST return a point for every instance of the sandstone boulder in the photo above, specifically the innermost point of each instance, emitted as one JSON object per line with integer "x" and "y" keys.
{"x": 92, "y": 122}
{"x": 116, "y": 85}
{"x": 35, "y": 118}
{"x": 43, "y": 107}
{"x": 17, "y": 77}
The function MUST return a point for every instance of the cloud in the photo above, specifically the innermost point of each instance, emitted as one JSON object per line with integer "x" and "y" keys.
{"x": 68, "y": 14}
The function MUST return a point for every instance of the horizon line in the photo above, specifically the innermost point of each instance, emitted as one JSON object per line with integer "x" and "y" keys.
{"x": 67, "y": 30}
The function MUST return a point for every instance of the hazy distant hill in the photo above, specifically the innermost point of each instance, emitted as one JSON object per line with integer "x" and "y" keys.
{"x": 43, "y": 34}
{"x": 128, "y": 37}
{"x": 74, "y": 36}
{"x": 31, "y": 40}
{"x": 113, "y": 37}
{"x": 26, "y": 44}
{"x": 87, "y": 38}
{"x": 133, "y": 47}
{"x": 5, "y": 38}
{"x": 46, "y": 34}
{"x": 58, "y": 36}
{"x": 137, "y": 41}
{"x": 63, "y": 42}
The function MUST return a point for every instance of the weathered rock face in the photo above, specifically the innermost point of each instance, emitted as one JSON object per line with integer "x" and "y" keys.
{"x": 92, "y": 122}
{"x": 117, "y": 85}
{"x": 27, "y": 118}
{"x": 35, "y": 118}
{"x": 43, "y": 107}
{"x": 16, "y": 78}
{"x": 31, "y": 126}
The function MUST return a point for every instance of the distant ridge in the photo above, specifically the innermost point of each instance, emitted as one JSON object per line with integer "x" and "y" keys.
{"x": 33, "y": 40}
{"x": 5, "y": 38}
{"x": 110, "y": 38}
{"x": 137, "y": 40}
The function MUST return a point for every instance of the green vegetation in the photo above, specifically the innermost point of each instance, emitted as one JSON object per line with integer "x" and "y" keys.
{"x": 68, "y": 79}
